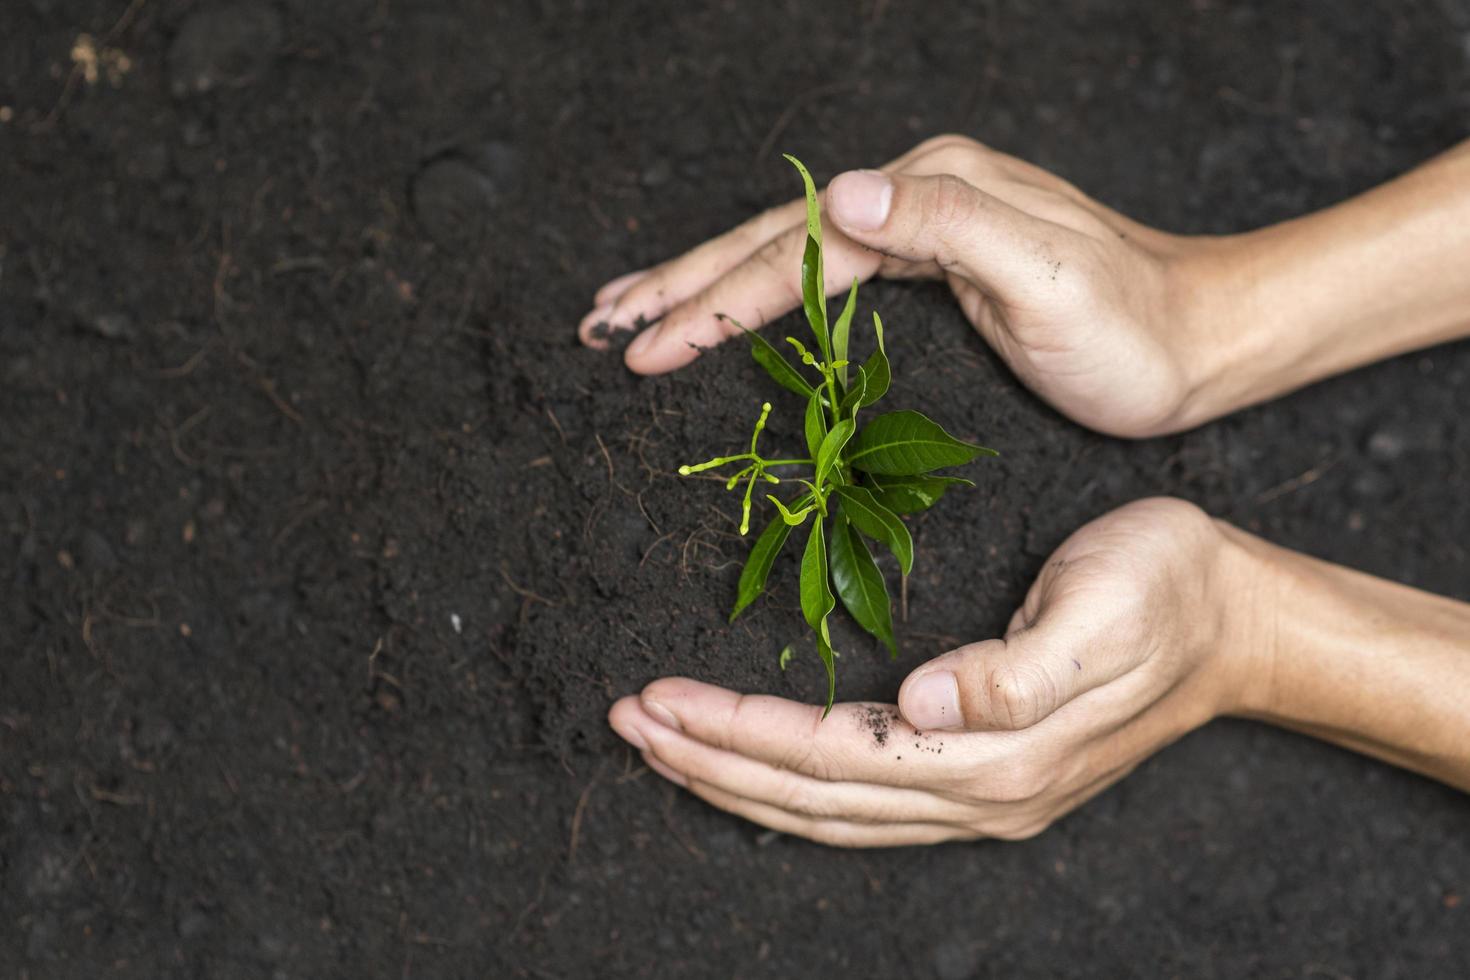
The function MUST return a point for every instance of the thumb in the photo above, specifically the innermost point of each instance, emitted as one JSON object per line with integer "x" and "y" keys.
{"x": 1013, "y": 683}
{"x": 947, "y": 221}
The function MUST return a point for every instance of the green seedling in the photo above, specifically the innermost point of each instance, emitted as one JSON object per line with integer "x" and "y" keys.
{"x": 859, "y": 480}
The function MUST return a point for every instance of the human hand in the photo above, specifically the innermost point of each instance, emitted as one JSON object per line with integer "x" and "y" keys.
{"x": 1099, "y": 315}
{"x": 1125, "y": 643}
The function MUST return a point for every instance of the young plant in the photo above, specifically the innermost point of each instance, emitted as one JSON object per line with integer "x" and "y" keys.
{"x": 860, "y": 480}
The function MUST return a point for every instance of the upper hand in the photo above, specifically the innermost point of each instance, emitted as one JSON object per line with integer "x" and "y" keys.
{"x": 1124, "y": 644}
{"x": 1097, "y": 314}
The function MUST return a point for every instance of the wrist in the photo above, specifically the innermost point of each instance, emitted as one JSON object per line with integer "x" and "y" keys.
{"x": 1249, "y": 643}
{"x": 1262, "y": 313}
{"x": 1374, "y": 666}
{"x": 1221, "y": 332}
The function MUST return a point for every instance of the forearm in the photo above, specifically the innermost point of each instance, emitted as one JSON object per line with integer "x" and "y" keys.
{"x": 1368, "y": 664}
{"x": 1380, "y": 274}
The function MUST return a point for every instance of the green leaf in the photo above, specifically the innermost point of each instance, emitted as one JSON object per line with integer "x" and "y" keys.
{"x": 907, "y": 444}
{"x": 800, "y": 508}
{"x": 817, "y": 602}
{"x": 758, "y": 565}
{"x": 813, "y": 296}
{"x": 832, "y": 447}
{"x": 860, "y": 585}
{"x": 813, "y": 284}
{"x": 813, "y": 212}
{"x": 786, "y": 654}
{"x": 842, "y": 329}
{"x": 828, "y": 655}
{"x": 912, "y": 494}
{"x": 878, "y": 523}
{"x": 816, "y": 423}
{"x": 776, "y": 365}
{"x": 879, "y": 374}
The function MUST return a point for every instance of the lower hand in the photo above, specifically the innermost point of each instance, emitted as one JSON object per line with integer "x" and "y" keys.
{"x": 1125, "y": 643}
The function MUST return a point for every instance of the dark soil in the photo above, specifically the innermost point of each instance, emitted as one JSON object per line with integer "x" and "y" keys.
{"x": 326, "y": 547}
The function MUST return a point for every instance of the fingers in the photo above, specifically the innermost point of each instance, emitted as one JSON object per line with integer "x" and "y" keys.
{"x": 947, "y": 221}
{"x": 823, "y": 830}
{"x": 649, "y": 294}
{"x": 615, "y": 288}
{"x": 857, "y": 742}
{"x": 1019, "y": 681}
{"x": 690, "y": 760}
{"x": 766, "y": 285}
{"x": 653, "y": 293}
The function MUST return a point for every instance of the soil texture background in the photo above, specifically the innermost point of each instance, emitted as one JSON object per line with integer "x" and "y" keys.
{"x": 325, "y": 547}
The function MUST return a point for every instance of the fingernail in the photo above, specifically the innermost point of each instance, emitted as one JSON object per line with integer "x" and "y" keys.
{"x": 643, "y": 341}
{"x": 594, "y": 325}
{"x": 664, "y": 771}
{"x": 632, "y": 736}
{"x": 661, "y": 714}
{"x": 860, "y": 199}
{"x": 934, "y": 702}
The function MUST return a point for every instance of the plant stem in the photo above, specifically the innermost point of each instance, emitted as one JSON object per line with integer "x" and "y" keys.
{"x": 712, "y": 463}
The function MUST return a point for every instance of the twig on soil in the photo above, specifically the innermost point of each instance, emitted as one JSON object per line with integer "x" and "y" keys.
{"x": 629, "y": 773}
{"x": 605, "y": 683}
{"x": 556, "y": 424}
{"x": 372, "y": 660}
{"x": 269, "y": 387}
{"x": 580, "y": 811}
{"x": 650, "y": 548}
{"x": 1296, "y": 483}
{"x": 187, "y": 368}
{"x": 524, "y": 593}
{"x": 607, "y": 457}
{"x": 533, "y": 904}
{"x": 636, "y": 638}
{"x": 301, "y": 517}
{"x": 303, "y": 263}
{"x": 797, "y": 104}
{"x": 222, "y": 299}
{"x": 577, "y": 814}
{"x": 117, "y": 799}
{"x": 374, "y": 674}
{"x": 176, "y": 434}
{"x": 695, "y": 541}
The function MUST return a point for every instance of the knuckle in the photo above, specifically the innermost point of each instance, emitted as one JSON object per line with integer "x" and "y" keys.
{"x": 1016, "y": 783}
{"x": 805, "y": 758}
{"x": 949, "y": 142}
{"x": 1016, "y": 697}
{"x": 951, "y": 203}
{"x": 1072, "y": 283}
{"x": 775, "y": 261}
{"x": 798, "y": 798}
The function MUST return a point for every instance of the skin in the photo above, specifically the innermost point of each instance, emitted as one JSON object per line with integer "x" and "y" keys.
{"x": 1151, "y": 620}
